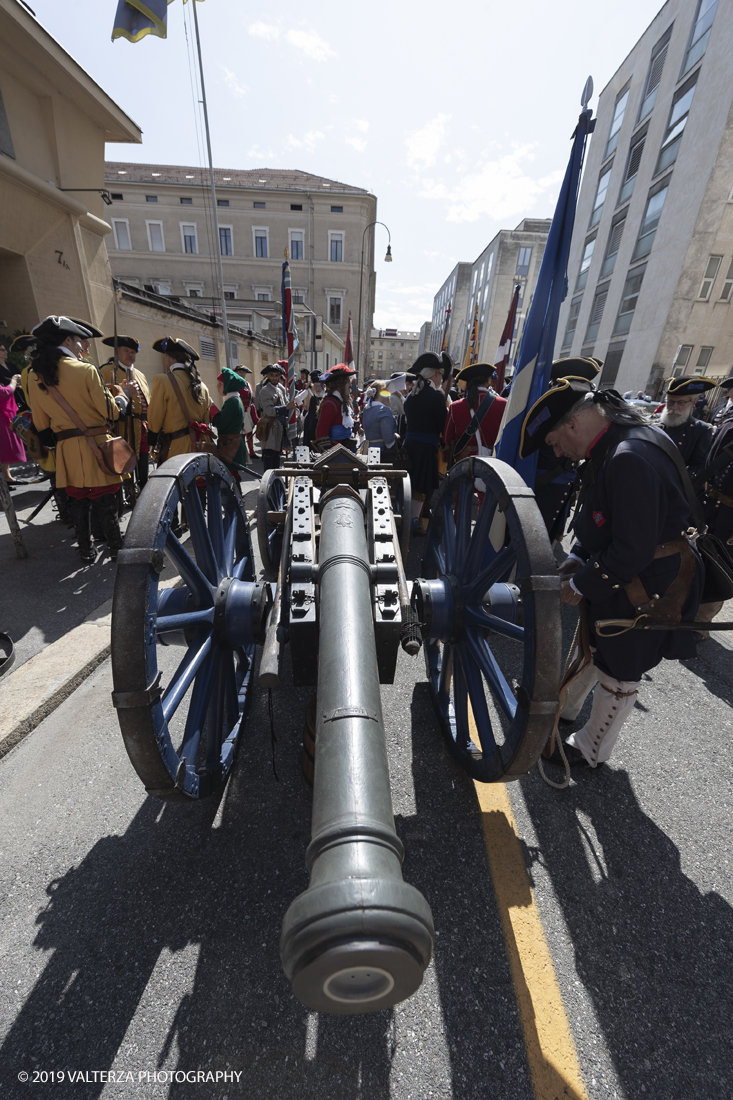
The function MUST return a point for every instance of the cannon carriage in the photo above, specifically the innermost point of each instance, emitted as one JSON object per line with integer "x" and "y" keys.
{"x": 333, "y": 533}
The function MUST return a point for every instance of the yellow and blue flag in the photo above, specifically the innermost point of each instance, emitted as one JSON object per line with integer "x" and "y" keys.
{"x": 136, "y": 18}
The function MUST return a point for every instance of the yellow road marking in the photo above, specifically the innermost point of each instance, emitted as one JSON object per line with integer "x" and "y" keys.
{"x": 553, "y": 1062}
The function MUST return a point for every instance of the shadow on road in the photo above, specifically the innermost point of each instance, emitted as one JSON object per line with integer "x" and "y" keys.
{"x": 652, "y": 951}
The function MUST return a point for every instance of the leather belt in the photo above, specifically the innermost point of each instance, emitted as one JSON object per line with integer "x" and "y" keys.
{"x": 717, "y": 495}
{"x": 669, "y": 606}
{"x": 98, "y": 429}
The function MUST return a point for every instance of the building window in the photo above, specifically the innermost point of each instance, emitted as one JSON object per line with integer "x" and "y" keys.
{"x": 222, "y": 202}
{"x": 259, "y": 205}
{"x": 681, "y": 360}
{"x": 603, "y": 181}
{"x": 572, "y": 322}
{"x": 151, "y": 198}
{"x": 229, "y": 295}
{"x": 336, "y": 247}
{"x": 296, "y": 244}
{"x": 121, "y": 227}
{"x": 649, "y": 223}
{"x": 116, "y": 196}
{"x": 296, "y": 206}
{"x": 677, "y": 122}
{"x": 614, "y": 242}
{"x": 611, "y": 364}
{"x": 709, "y": 277}
{"x": 186, "y": 202}
{"x": 299, "y": 297}
{"x": 596, "y": 314}
{"x": 703, "y": 360}
{"x": 585, "y": 264}
{"x": 337, "y": 209}
{"x": 727, "y": 285}
{"x": 208, "y": 348}
{"x": 193, "y": 292}
{"x": 156, "y": 241}
{"x": 700, "y": 33}
{"x": 632, "y": 168}
{"x": 225, "y": 240}
{"x": 629, "y": 298}
{"x": 263, "y": 297}
{"x": 334, "y": 311}
{"x": 260, "y": 235}
{"x": 188, "y": 237}
{"x": 659, "y": 56}
{"x": 158, "y": 288}
{"x": 525, "y": 255}
{"x": 618, "y": 117}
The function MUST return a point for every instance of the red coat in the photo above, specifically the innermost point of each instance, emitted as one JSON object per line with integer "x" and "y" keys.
{"x": 459, "y": 417}
{"x": 248, "y": 401}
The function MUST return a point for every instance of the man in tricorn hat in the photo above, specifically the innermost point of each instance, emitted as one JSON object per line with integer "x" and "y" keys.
{"x": 693, "y": 437}
{"x": 124, "y": 374}
{"x": 425, "y": 413}
{"x": 555, "y": 477}
{"x": 461, "y": 437}
{"x": 725, "y": 408}
{"x": 631, "y": 556}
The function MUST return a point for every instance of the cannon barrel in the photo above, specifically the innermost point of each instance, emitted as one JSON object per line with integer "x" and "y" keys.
{"x": 359, "y": 938}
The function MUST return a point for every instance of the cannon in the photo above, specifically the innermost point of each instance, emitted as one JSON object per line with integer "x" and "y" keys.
{"x": 333, "y": 533}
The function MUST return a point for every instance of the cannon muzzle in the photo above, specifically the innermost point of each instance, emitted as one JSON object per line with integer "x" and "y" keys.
{"x": 359, "y": 938}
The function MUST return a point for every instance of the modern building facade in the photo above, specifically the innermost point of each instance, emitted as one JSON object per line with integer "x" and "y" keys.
{"x": 484, "y": 289}
{"x": 54, "y": 122}
{"x": 651, "y": 262}
{"x": 424, "y": 341}
{"x": 391, "y": 350}
{"x": 165, "y": 240}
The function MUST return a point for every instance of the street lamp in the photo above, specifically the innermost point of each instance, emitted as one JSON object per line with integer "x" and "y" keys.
{"x": 387, "y": 260}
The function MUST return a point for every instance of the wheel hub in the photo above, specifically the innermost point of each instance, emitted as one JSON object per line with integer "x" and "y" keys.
{"x": 240, "y": 613}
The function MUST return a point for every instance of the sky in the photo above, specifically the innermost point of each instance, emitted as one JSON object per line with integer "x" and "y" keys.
{"x": 457, "y": 116}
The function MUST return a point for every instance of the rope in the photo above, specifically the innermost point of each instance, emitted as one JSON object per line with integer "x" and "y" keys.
{"x": 574, "y": 666}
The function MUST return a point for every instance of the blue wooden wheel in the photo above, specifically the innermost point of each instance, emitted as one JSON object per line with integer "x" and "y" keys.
{"x": 272, "y": 498}
{"x": 489, "y": 607}
{"x": 182, "y": 735}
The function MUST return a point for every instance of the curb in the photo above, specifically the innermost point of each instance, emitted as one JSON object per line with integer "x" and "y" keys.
{"x": 38, "y": 687}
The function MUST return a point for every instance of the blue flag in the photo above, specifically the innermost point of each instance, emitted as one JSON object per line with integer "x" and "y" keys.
{"x": 540, "y": 329}
{"x": 135, "y": 19}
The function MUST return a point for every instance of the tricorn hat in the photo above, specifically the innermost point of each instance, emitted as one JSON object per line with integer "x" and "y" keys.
{"x": 272, "y": 367}
{"x": 727, "y": 383}
{"x": 168, "y": 345}
{"x": 23, "y": 343}
{"x": 241, "y": 369}
{"x": 96, "y": 334}
{"x": 475, "y": 370}
{"x": 432, "y": 362}
{"x": 692, "y": 386}
{"x": 548, "y": 410}
{"x": 55, "y": 329}
{"x": 576, "y": 366}
{"x": 122, "y": 342}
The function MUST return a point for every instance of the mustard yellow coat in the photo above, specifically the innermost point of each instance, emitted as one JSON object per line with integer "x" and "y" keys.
{"x": 49, "y": 462}
{"x": 81, "y": 385}
{"x": 131, "y": 429}
{"x": 164, "y": 411}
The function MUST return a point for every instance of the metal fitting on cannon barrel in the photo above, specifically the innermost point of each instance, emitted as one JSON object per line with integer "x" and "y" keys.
{"x": 359, "y": 938}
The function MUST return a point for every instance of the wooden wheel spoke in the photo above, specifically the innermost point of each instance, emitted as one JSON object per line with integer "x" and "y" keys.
{"x": 197, "y": 710}
{"x": 215, "y": 525}
{"x": 187, "y": 669}
{"x": 479, "y": 649}
{"x": 479, "y": 539}
{"x": 230, "y": 543}
{"x": 185, "y": 620}
{"x": 449, "y": 538}
{"x": 476, "y": 616}
{"x": 200, "y": 536}
{"x": 200, "y": 587}
{"x": 477, "y": 696}
{"x": 463, "y": 524}
{"x": 495, "y": 571}
{"x": 462, "y": 731}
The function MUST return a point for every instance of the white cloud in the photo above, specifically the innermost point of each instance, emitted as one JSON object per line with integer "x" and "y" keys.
{"x": 357, "y": 143}
{"x": 361, "y": 125}
{"x": 233, "y": 84}
{"x": 265, "y": 30}
{"x": 311, "y": 44}
{"x": 423, "y": 145}
{"x": 261, "y": 155}
{"x": 307, "y": 142}
{"x": 500, "y": 188}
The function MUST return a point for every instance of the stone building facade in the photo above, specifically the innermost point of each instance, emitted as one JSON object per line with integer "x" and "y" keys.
{"x": 651, "y": 262}
{"x": 164, "y": 241}
{"x": 391, "y": 350}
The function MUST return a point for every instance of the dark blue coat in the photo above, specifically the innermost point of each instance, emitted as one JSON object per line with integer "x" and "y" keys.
{"x": 632, "y": 501}
{"x": 693, "y": 438}
{"x": 719, "y": 516}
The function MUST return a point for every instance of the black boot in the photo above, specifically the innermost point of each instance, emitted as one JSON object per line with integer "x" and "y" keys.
{"x": 63, "y": 508}
{"x": 81, "y": 515}
{"x": 143, "y": 465}
{"x": 105, "y": 508}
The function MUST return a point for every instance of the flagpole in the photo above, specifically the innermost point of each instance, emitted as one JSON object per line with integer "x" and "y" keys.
{"x": 217, "y": 241}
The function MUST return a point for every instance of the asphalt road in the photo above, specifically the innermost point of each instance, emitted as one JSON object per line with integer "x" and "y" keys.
{"x": 143, "y": 937}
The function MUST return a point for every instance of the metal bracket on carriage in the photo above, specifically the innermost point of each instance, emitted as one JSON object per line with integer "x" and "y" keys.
{"x": 127, "y": 700}
{"x": 535, "y": 706}
{"x": 142, "y": 556}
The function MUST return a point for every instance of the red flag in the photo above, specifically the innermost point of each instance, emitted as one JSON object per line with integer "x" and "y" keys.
{"x": 348, "y": 350}
{"x": 501, "y": 359}
{"x": 446, "y": 327}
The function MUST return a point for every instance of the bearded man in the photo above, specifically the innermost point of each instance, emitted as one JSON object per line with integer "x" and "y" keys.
{"x": 693, "y": 437}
